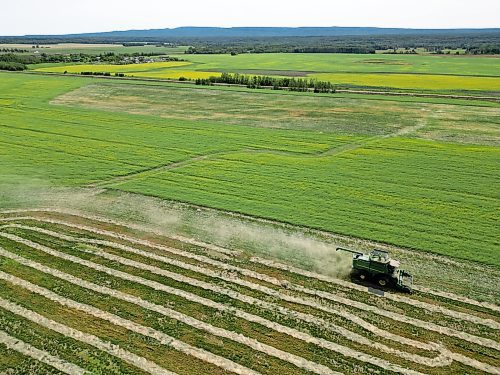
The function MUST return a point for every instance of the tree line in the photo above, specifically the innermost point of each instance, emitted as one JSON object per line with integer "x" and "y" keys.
{"x": 15, "y": 61}
{"x": 276, "y": 83}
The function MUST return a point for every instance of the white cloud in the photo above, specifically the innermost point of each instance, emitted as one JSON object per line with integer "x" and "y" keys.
{"x": 61, "y": 17}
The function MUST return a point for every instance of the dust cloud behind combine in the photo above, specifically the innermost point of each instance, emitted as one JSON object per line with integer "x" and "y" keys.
{"x": 254, "y": 237}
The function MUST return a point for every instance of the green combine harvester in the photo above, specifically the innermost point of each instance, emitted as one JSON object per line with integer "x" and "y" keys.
{"x": 378, "y": 267}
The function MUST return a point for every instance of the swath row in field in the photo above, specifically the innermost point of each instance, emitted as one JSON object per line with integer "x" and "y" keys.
{"x": 251, "y": 343}
{"x": 141, "y": 228}
{"x": 40, "y": 355}
{"x": 311, "y": 302}
{"x": 255, "y": 286}
{"x": 469, "y": 362}
{"x": 133, "y": 359}
{"x": 441, "y": 360}
{"x": 161, "y": 337}
{"x": 454, "y": 314}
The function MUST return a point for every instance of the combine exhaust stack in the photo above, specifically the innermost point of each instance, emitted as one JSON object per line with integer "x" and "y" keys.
{"x": 377, "y": 266}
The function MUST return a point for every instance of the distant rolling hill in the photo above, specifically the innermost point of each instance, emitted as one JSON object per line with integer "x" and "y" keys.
{"x": 262, "y": 32}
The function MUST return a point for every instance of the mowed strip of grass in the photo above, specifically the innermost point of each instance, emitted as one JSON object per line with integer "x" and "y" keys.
{"x": 433, "y": 196}
{"x": 190, "y": 334}
{"x": 263, "y": 335}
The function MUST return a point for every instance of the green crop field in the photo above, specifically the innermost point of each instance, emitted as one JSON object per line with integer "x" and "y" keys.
{"x": 414, "y": 174}
{"x": 422, "y": 72}
{"x": 155, "y": 227}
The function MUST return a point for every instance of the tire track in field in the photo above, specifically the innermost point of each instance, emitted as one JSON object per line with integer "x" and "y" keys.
{"x": 161, "y": 337}
{"x": 439, "y": 361}
{"x": 300, "y": 300}
{"x": 220, "y": 332}
{"x": 336, "y": 150}
{"x": 106, "y": 346}
{"x": 28, "y": 350}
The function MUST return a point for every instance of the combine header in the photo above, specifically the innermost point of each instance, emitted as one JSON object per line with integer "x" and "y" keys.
{"x": 380, "y": 268}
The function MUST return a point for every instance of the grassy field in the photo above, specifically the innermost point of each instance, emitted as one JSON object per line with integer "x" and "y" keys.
{"x": 422, "y": 72}
{"x": 79, "y": 294}
{"x": 421, "y": 175}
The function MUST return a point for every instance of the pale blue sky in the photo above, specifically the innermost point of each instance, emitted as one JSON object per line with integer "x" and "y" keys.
{"x": 62, "y": 16}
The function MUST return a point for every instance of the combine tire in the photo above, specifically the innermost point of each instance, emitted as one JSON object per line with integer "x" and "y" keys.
{"x": 363, "y": 276}
{"x": 383, "y": 281}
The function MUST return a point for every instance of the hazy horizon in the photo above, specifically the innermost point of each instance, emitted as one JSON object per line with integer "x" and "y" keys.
{"x": 54, "y": 17}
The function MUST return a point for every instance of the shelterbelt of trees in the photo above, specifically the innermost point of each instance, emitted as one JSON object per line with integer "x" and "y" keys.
{"x": 17, "y": 62}
{"x": 277, "y": 83}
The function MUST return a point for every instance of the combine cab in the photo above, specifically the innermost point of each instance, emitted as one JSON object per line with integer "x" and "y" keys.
{"x": 378, "y": 267}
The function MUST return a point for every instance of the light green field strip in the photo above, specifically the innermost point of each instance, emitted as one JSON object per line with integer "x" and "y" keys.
{"x": 220, "y": 332}
{"x": 40, "y": 355}
{"x": 441, "y": 360}
{"x": 108, "y": 347}
{"x": 161, "y": 337}
{"x": 305, "y": 301}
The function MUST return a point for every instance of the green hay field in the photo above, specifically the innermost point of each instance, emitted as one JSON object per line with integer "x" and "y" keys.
{"x": 420, "y": 175}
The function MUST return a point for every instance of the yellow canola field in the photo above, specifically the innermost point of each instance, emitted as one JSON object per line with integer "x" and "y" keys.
{"x": 412, "y": 81}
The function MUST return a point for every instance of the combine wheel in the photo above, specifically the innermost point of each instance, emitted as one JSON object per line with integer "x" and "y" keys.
{"x": 383, "y": 281}
{"x": 363, "y": 276}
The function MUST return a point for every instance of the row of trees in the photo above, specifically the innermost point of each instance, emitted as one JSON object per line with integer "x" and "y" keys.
{"x": 12, "y": 66}
{"x": 13, "y": 50}
{"x": 109, "y": 57}
{"x": 104, "y": 74}
{"x": 276, "y": 83}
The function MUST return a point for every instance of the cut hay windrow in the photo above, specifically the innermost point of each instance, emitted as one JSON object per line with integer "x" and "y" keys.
{"x": 455, "y": 356}
{"x": 317, "y": 293}
{"x": 161, "y": 337}
{"x": 28, "y": 350}
{"x": 195, "y": 323}
{"x": 131, "y": 358}
{"x": 311, "y": 302}
{"x": 456, "y": 298}
{"x": 166, "y": 340}
{"x": 271, "y": 280}
{"x": 445, "y": 295}
{"x": 277, "y": 294}
{"x": 394, "y": 297}
{"x": 439, "y": 361}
